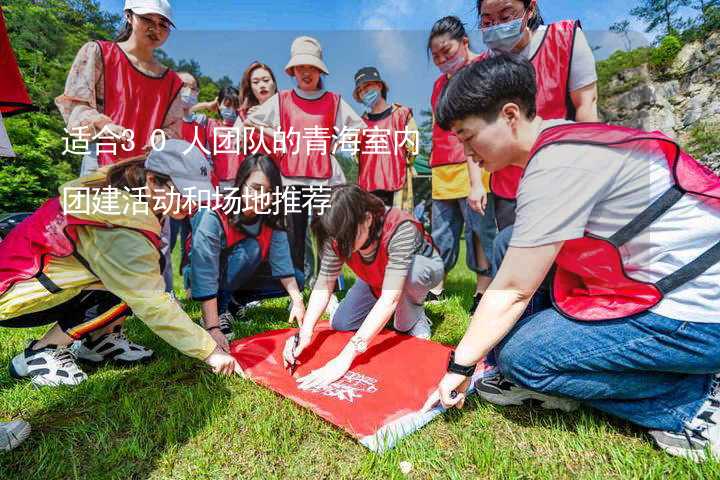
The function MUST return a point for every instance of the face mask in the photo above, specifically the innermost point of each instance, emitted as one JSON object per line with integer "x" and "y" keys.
{"x": 228, "y": 114}
{"x": 188, "y": 98}
{"x": 453, "y": 65}
{"x": 370, "y": 99}
{"x": 504, "y": 37}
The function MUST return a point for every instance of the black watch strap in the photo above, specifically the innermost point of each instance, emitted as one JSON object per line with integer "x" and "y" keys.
{"x": 459, "y": 369}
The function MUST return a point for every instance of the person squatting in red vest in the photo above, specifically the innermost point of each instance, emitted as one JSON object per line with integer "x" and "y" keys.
{"x": 566, "y": 84}
{"x": 85, "y": 266}
{"x": 453, "y": 207}
{"x": 631, "y": 225}
{"x": 121, "y": 92}
{"x": 309, "y": 122}
{"x": 229, "y": 246}
{"x": 396, "y": 265}
{"x": 386, "y": 147}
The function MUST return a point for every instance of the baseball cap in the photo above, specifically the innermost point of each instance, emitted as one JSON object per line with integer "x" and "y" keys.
{"x": 186, "y": 166}
{"x": 143, "y": 7}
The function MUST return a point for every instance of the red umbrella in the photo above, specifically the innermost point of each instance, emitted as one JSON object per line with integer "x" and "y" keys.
{"x": 13, "y": 94}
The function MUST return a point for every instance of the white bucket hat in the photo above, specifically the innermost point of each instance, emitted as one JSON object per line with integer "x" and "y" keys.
{"x": 143, "y": 7}
{"x": 306, "y": 51}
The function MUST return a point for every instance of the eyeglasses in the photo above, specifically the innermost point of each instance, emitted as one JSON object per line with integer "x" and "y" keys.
{"x": 150, "y": 23}
{"x": 506, "y": 16}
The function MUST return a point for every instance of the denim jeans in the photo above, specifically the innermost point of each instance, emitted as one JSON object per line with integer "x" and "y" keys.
{"x": 648, "y": 369}
{"x": 448, "y": 219}
{"x": 425, "y": 274}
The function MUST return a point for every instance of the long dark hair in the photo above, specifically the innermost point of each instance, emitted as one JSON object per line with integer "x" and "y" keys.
{"x": 450, "y": 25}
{"x": 533, "y": 23}
{"x": 262, "y": 163}
{"x": 349, "y": 204}
{"x": 247, "y": 96}
{"x": 126, "y": 30}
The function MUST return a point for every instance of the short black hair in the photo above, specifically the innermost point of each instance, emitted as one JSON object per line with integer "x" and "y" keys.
{"x": 485, "y": 86}
{"x": 451, "y": 26}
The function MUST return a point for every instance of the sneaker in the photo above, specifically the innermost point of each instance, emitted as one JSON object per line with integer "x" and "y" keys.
{"x": 700, "y": 437}
{"x": 225, "y": 322}
{"x": 13, "y": 434}
{"x": 422, "y": 328}
{"x": 499, "y": 390}
{"x": 114, "y": 346}
{"x": 48, "y": 366}
{"x": 476, "y": 302}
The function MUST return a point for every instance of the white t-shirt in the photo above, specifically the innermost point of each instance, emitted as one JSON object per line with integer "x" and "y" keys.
{"x": 5, "y": 146}
{"x": 582, "y": 65}
{"x": 567, "y": 190}
{"x": 268, "y": 114}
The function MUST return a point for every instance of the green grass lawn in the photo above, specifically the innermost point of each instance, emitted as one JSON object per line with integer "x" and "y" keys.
{"x": 172, "y": 418}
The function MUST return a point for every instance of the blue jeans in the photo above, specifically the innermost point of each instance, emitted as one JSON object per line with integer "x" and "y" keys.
{"x": 651, "y": 370}
{"x": 448, "y": 219}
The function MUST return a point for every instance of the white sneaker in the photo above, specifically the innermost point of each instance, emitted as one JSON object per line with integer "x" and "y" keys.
{"x": 13, "y": 434}
{"x": 225, "y": 321}
{"x": 49, "y": 366}
{"x": 499, "y": 390}
{"x": 422, "y": 328}
{"x": 113, "y": 346}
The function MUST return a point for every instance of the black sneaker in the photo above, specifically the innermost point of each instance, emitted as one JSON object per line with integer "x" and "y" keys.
{"x": 499, "y": 390}
{"x": 49, "y": 366}
{"x": 700, "y": 437}
{"x": 476, "y": 302}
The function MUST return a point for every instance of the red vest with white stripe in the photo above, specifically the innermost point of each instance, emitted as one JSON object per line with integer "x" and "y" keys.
{"x": 303, "y": 157}
{"x": 385, "y": 169}
{"x": 46, "y": 234}
{"x": 134, "y": 100}
{"x": 590, "y": 280}
{"x": 446, "y": 148}
{"x": 552, "y": 63}
{"x": 373, "y": 273}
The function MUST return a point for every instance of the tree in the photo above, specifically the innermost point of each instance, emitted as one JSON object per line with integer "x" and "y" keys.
{"x": 623, "y": 28}
{"x": 659, "y": 15}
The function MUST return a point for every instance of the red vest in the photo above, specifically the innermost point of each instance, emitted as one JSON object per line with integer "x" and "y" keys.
{"x": 446, "y": 148}
{"x": 234, "y": 235}
{"x": 13, "y": 95}
{"x": 134, "y": 100}
{"x": 304, "y": 116}
{"x": 385, "y": 169}
{"x": 222, "y": 150}
{"x": 373, "y": 273}
{"x": 590, "y": 281}
{"x": 552, "y": 64}
{"x": 45, "y": 234}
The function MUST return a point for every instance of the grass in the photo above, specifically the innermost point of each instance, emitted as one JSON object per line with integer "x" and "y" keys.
{"x": 171, "y": 418}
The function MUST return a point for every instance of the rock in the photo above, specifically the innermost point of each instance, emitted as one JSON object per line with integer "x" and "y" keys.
{"x": 712, "y": 160}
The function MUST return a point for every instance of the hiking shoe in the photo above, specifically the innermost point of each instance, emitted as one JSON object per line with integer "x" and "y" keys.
{"x": 13, "y": 434}
{"x": 700, "y": 437}
{"x": 48, "y": 366}
{"x": 114, "y": 346}
{"x": 476, "y": 302}
{"x": 499, "y": 390}
{"x": 421, "y": 329}
{"x": 225, "y": 323}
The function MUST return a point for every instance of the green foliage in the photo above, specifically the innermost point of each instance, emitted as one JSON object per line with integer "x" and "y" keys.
{"x": 663, "y": 56}
{"x": 704, "y": 139}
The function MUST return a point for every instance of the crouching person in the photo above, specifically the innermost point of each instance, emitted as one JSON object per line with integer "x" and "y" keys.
{"x": 87, "y": 259}
{"x": 395, "y": 263}
{"x": 631, "y": 224}
{"x": 228, "y": 248}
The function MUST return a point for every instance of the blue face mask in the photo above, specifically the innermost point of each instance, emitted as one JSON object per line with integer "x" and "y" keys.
{"x": 504, "y": 37}
{"x": 228, "y": 114}
{"x": 371, "y": 98}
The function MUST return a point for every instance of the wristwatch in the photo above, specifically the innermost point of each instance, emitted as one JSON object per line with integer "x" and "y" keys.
{"x": 459, "y": 369}
{"x": 359, "y": 344}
